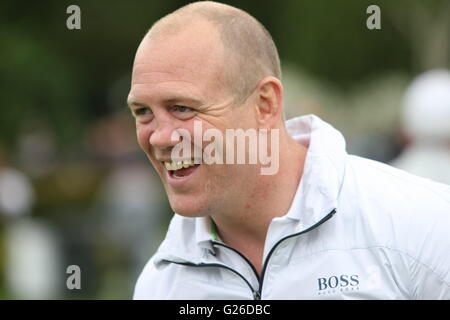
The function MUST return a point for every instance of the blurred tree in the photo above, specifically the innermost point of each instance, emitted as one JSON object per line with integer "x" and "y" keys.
{"x": 426, "y": 26}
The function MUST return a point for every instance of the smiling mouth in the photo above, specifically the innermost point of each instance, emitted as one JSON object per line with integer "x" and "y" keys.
{"x": 180, "y": 169}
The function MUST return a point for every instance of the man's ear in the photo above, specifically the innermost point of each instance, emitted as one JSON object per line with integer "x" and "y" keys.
{"x": 269, "y": 102}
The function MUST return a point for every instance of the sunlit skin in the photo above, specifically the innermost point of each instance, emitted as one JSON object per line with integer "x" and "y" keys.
{"x": 178, "y": 79}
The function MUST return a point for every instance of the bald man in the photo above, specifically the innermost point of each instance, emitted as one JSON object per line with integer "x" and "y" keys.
{"x": 324, "y": 225}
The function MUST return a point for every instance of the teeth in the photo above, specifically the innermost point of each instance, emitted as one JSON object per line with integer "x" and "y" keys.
{"x": 172, "y": 166}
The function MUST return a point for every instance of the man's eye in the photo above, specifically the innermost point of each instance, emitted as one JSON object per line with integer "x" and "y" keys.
{"x": 182, "y": 109}
{"x": 183, "y": 112}
{"x": 142, "y": 111}
{"x": 143, "y": 114}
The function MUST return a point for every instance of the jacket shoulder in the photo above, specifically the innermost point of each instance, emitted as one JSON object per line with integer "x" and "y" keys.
{"x": 399, "y": 188}
{"x": 155, "y": 280}
{"x": 158, "y": 276}
{"x": 407, "y": 214}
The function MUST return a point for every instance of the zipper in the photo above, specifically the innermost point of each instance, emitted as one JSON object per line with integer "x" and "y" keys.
{"x": 256, "y": 293}
{"x": 266, "y": 263}
{"x": 190, "y": 264}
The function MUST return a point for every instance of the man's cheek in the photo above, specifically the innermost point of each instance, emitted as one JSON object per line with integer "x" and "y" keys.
{"x": 143, "y": 139}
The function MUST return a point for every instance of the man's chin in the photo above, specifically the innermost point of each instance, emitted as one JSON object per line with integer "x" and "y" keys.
{"x": 187, "y": 207}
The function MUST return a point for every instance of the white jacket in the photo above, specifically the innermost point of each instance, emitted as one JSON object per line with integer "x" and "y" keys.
{"x": 357, "y": 229}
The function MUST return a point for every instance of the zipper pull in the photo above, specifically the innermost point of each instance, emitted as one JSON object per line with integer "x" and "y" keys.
{"x": 256, "y": 295}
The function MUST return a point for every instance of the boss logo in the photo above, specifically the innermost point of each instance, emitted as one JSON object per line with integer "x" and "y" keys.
{"x": 343, "y": 282}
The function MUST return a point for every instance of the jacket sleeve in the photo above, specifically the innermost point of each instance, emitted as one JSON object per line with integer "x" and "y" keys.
{"x": 428, "y": 284}
{"x": 430, "y": 260}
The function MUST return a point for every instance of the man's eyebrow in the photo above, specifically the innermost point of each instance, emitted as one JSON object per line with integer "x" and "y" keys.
{"x": 132, "y": 102}
{"x": 182, "y": 99}
{"x": 168, "y": 101}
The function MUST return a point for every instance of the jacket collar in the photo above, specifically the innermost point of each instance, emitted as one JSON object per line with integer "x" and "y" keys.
{"x": 189, "y": 239}
{"x": 323, "y": 172}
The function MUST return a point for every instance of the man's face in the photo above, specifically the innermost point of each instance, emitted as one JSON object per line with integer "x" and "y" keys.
{"x": 178, "y": 79}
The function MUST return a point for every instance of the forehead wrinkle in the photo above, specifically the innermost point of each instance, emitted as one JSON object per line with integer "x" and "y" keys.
{"x": 158, "y": 96}
{"x": 155, "y": 81}
{"x": 188, "y": 82}
{"x": 166, "y": 72}
{"x": 163, "y": 69}
{"x": 145, "y": 72}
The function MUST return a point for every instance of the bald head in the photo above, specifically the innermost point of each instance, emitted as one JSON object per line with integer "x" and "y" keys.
{"x": 249, "y": 53}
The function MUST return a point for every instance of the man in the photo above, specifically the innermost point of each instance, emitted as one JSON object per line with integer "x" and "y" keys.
{"x": 325, "y": 225}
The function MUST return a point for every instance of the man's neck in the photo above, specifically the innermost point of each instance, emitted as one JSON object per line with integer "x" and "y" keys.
{"x": 245, "y": 229}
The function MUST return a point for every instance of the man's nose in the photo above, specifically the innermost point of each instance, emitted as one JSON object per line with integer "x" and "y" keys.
{"x": 162, "y": 136}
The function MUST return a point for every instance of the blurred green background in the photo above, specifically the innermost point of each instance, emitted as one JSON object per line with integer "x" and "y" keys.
{"x": 81, "y": 193}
